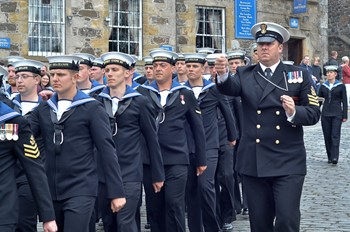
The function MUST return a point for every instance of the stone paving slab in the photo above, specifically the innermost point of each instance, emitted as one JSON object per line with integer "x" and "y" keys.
{"x": 325, "y": 202}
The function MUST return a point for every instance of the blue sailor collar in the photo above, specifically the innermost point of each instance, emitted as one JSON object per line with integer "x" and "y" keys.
{"x": 136, "y": 76}
{"x": 174, "y": 87}
{"x": 17, "y": 101}
{"x": 80, "y": 98}
{"x": 206, "y": 85}
{"x": 135, "y": 85}
{"x": 95, "y": 86}
{"x": 8, "y": 90}
{"x": 6, "y": 113}
{"x": 129, "y": 93}
{"x": 328, "y": 86}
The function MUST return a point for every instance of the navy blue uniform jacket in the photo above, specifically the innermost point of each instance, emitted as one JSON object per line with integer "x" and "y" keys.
{"x": 209, "y": 100}
{"x": 133, "y": 120}
{"x": 30, "y": 159}
{"x": 336, "y": 102}
{"x": 73, "y": 172}
{"x": 270, "y": 145}
{"x": 180, "y": 108}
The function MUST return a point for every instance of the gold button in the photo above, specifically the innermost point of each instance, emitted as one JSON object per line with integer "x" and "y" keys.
{"x": 278, "y": 127}
{"x": 277, "y": 141}
{"x": 277, "y": 112}
{"x": 258, "y": 126}
{"x": 258, "y": 112}
{"x": 257, "y": 140}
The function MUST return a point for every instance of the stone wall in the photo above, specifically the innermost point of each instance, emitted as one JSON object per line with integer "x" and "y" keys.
{"x": 159, "y": 24}
{"x": 311, "y": 29}
{"x": 12, "y": 14}
{"x": 339, "y": 27}
{"x": 170, "y": 22}
{"x": 87, "y": 30}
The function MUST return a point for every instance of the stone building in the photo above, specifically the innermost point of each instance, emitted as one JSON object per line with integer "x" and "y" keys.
{"x": 339, "y": 27}
{"x": 38, "y": 28}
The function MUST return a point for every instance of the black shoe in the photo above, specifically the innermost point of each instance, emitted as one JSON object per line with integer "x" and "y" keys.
{"x": 334, "y": 161}
{"x": 245, "y": 212}
{"x": 329, "y": 161}
{"x": 238, "y": 211}
{"x": 227, "y": 227}
{"x": 147, "y": 226}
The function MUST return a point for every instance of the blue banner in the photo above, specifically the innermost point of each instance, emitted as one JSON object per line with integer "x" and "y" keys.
{"x": 300, "y": 6}
{"x": 5, "y": 42}
{"x": 245, "y": 18}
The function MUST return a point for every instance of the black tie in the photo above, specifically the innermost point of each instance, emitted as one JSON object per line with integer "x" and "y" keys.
{"x": 268, "y": 73}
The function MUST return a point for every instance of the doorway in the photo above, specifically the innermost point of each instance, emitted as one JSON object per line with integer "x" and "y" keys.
{"x": 294, "y": 51}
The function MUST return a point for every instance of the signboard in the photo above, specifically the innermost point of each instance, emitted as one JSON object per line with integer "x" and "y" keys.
{"x": 245, "y": 18}
{"x": 299, "y": 6}
{"x": 294, "y": 23}
{"x": 5, "y": 42}
{"x": 167, "y": 47}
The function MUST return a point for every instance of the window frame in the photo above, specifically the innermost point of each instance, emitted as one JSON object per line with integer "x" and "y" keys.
{"x": 138, "y": 28}
{"x": 60, "y": 26}
{"x": 223, "y": 26}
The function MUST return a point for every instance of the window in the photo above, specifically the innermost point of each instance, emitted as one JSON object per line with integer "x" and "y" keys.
{"x": 125, "y": 24}
{"x": 46, "y": 27}
{"x": 210, "y": 28}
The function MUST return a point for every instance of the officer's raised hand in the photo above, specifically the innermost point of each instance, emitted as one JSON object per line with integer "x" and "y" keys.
{"x": 50, "y": 226}
{"x": 117, "y": 204}
{"x": 221, "y": 65}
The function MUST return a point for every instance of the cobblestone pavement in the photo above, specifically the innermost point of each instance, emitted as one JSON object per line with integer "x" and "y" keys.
{"x": 325, "y": 204}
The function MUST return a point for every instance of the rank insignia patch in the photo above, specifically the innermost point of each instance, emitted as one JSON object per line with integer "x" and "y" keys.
{"x": 31, "y": 150}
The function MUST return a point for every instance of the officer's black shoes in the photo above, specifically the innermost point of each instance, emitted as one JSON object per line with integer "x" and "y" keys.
{"x": 147, "y": 226}
{"x": 329, "y": 161}
{"x": 334, "y": 161}
{"x": 227, "y": 227}
{"x": 245, "y": 212}
{"x": 238, "y": 211}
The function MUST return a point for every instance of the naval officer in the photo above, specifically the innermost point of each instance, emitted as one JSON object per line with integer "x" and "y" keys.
{"x": 277, "y": 101}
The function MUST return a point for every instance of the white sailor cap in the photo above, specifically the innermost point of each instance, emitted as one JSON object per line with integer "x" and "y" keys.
{"x": 267, "y": 32}
{"x": 237, "y": 54}
{"x": 290, "y": 62}
{"x": 206, "y": 50}
{"x": 86, "y": 58}
{"x": 211, "y": 58}
{"x": 254, "y": 47}
{"x": 163, "y": 55}
{"x": 148, "y": 60}
{"x": 64, "y": 62}
{"x": 3, "y": 72}
{"x": 32, "y": 66}
{"x": 12, "y": 59}
{"x": 98, "y": 62}
{"x": 118, "y": 58}
{"x": 331, "y": 68}
{"x": 195, "y": 58}
{"x": 180, "y": 57}
{"x": 135, "y": 59}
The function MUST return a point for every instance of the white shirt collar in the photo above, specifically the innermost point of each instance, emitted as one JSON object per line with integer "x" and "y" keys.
{"x": 273, "y": 67}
